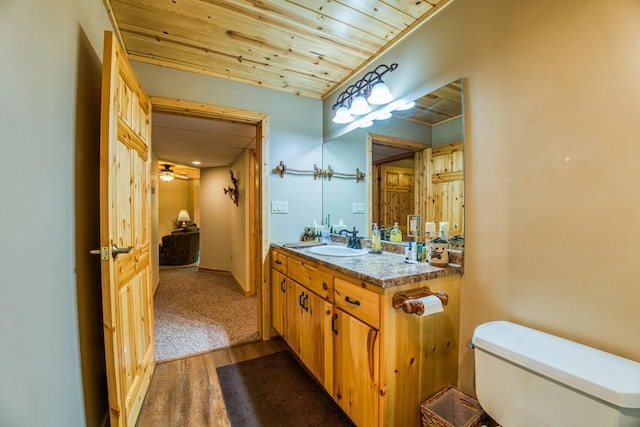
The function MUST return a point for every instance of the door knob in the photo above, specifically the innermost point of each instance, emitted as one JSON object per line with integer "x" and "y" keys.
{"x": 115, "y": 250}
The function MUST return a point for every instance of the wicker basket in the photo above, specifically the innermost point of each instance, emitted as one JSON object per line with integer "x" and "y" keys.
{"x": 451, "y": 407}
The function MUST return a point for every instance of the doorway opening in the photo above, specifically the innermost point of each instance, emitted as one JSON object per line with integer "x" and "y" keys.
{"x": 254, "y": 174}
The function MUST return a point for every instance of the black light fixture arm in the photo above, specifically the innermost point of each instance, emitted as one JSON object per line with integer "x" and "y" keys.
{"x": 363, "y": 86}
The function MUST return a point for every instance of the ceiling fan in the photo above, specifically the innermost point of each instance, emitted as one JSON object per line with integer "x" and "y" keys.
{"x": 167, "y": 174}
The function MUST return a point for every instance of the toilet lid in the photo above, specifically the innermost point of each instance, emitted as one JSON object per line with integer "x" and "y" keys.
{"x": 606, "y": 376}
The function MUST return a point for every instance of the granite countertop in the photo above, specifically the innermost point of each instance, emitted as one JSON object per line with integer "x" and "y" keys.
{"x": 385, "y": 270}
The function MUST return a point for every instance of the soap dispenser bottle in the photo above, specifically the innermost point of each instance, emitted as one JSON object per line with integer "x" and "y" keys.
{"x": 396, "y": 234}
{"x": 376, "y": 244}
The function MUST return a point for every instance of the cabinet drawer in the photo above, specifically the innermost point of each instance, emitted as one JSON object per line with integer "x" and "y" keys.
{"x": 357, "y": 301}
{"x": 279, "y": 261}
{"x": 310, "y": 277}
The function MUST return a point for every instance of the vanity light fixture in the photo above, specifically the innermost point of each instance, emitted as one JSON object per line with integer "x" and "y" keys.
{"x": 356, "y": 100}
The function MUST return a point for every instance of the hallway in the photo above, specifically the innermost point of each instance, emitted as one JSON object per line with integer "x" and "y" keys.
{"x": 200, "y": 310}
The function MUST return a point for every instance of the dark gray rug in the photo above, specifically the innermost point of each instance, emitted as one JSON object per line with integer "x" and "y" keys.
{"x": 276, "y": 390}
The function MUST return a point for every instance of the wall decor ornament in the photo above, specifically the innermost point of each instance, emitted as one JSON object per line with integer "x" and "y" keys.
{"x": 232, "y": 190}
{"x": 282, "y": 169}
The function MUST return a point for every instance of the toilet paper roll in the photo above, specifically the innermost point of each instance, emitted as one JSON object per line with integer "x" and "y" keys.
{"x": 432, "y": 305}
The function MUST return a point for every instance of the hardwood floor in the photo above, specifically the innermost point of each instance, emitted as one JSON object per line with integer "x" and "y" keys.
{"x": 186, "y": 391}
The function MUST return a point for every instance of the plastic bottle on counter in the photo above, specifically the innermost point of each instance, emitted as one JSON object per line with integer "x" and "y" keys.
{"x": 396, "y": 234}
{"x": 376, "y": 244}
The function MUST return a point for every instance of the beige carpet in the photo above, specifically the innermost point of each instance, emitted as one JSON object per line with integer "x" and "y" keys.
{"x": 199, "y": 310}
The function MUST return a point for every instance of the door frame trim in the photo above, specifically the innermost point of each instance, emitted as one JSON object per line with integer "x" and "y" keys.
{"x": 258, "y": 220}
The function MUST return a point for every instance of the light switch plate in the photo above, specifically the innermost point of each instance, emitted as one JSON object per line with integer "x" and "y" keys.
{"x": 358, "y": 208}
{"x": 279, "y": 207}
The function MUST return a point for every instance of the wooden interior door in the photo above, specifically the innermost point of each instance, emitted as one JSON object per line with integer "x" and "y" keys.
{"x": 127, "y": 297}
{"x": 445, "y": 188}
{"x": 397, "y": 193}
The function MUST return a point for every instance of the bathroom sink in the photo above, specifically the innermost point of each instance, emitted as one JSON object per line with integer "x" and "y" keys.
{"x": 334, "y": 250}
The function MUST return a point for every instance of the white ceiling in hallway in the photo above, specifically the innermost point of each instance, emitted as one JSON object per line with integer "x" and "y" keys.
{"x": 215, "y": 143}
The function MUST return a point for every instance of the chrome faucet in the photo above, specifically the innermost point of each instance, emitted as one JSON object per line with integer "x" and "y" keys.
{"x": 384, "y": 233}
{"x": 354, "y": 240}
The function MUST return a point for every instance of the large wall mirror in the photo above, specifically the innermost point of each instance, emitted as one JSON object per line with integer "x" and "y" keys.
{"x": 414, "y": 166}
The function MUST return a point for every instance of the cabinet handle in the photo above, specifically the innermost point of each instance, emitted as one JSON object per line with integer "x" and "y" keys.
{"x": 300, "y": 299}
{"x": 304, "y": 302}
{"x": 351, "y": 301}
{"x": 278, "y": 262}
{"x": 333, "y": 324}
{"x": 325, "y": 286}
{"x": 284, "y": 291}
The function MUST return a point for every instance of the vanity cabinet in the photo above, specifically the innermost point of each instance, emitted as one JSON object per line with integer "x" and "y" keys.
{"x": 301, "y": 312}
{"x": 378, "y": 363}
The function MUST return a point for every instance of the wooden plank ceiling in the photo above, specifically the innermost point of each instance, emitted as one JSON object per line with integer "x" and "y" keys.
{"x": 305, "y": 47}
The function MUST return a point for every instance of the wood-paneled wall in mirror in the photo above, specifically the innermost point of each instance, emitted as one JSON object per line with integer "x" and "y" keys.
{"x": 414, "y": 163}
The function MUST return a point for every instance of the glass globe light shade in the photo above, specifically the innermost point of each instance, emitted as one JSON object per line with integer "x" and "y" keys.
{"x": 380, "y": 94}
{"x": 342, "y": 115}
{"x": 359, "y": 106}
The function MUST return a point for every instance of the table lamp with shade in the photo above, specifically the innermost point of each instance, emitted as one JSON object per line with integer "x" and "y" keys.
{"x": 183, "y": 217}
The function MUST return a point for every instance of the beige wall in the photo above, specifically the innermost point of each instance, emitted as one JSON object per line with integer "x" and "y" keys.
{"x": 551, "y": 98}
{"x": 172, "y": 197}
{"x": 552, "y": 172}
{"x": 239, "y": 223}
{"x": 215, "y": 219}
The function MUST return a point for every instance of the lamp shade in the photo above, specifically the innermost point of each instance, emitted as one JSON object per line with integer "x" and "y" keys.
{"x": 183, "y": 216}
{"x": 359, "y": 106}
{"x": 342, "y": 115}
{"x": 380, "y": 94}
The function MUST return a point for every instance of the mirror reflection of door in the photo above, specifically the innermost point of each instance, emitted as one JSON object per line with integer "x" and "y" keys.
{"x": 395, "y": 196}
{"x": 445, "y": 188}
{"x": 395, "y": 187}
{"x": 421, "y": 135}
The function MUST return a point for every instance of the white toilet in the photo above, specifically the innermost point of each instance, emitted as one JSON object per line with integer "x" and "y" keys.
{"x": 525, "y": 377}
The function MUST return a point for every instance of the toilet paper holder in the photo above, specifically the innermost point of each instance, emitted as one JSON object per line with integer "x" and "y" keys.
{"x": 409, "y": 303}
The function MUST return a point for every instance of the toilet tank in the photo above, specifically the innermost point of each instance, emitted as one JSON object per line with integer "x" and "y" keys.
{"x": 526, "y": 377}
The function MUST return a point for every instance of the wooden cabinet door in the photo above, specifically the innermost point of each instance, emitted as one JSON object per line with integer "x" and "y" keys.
{"x": 278, "y": 301}
{"x": 357, "y": 355}
{"x": 316, "y": 342}
{"x": 294, "y": 293}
